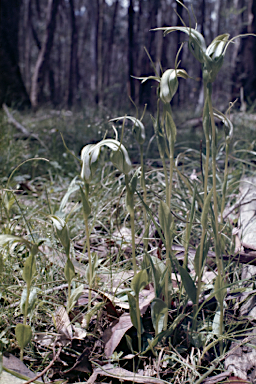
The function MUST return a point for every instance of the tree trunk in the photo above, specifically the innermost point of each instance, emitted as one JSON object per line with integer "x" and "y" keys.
{"x": 244, "y": 74}
{"x": 147, "y": 95}
{"x": 131, "y": 88}
{"x": 111, "y": 43}
{"x": 139, "y": 51}
{"x": 12, "y": 89}
{"x": 99, "y": 95}
{"x": 159, "y": 41}
{"x": 73, "y": 67}
{"x": 92, "y": 9}
{"x": 27, "y": 40}
{"x": 200, "y": 90}
{"x": 180, "y": 38}
{"x": 44, "y": 54}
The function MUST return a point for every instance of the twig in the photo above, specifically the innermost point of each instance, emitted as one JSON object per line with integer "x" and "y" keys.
{"x": 236, "y": 205}
{"x": 46, "y": 292}
{"x": 46, "y": 369}
{"x": 20, "y": 127}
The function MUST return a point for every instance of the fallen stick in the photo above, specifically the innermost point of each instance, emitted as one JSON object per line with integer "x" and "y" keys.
{"x": 20, "y": 127}
{"x": 46, "y": 369}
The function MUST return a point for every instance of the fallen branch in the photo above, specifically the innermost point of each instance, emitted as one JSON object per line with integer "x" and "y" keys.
{"x": 46, "y": 369}
{"x": 20, "y": 127}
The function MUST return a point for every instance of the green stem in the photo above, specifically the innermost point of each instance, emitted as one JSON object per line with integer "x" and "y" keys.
{"x": 168, "y": 273}
{"x": 221, "y": 326}
{"x": 133, "y": 243}
{"x": 89, "y": 260}
{"x": 69, "y": 294}
{"x": 206, "y": 169}
{"x": 206, "y": 125}
{"x": 166, "y": 182}
{"x": 206, "y": 173}
{"x": 215, "y": 202}
{"x": 143, "y": 185}
{"x": 139, "y": 323}
{"x": 171, "y": 176}
{"x": 214, "y": 183}
{"x": 224, "y": 183}
{"x": 185, "y": 262}
{"x": 25, "y": 315}
{"x": 167, "y": 235}
{"x": 199, "y": 282}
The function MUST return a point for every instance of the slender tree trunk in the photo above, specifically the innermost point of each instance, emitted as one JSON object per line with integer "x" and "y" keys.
{"x": 93, "y": 49}
{"x": 131, "y": 88}
{"x": 44, "y": 54}
{"x": 216, "y": 22}
{"x": 12, "y": 89}
{"x": 200, "y": 101}
{"x": 180, "y": 38}
{"x": 244, "y": 74}
{"x": 159, "y": 40}
{"x": 27, "y": 32}
{"x": 73, "y": 74}
{"x": 139, "y": 51}
{"x": 99, "y": 95}
{"x": 147, "y": 95}
{"x": 111, "y": 43}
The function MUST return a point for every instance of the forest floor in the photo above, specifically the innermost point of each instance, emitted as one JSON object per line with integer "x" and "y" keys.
{"x": 81, "y": 319}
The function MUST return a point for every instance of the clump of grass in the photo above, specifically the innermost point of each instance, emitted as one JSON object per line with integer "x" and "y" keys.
{"x": 173, "y": 207}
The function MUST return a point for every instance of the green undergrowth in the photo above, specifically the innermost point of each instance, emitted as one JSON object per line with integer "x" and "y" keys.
{"x": 124, "y": 218}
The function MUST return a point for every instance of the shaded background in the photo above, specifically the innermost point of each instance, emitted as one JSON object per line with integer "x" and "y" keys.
{"x": 73, "y": 53}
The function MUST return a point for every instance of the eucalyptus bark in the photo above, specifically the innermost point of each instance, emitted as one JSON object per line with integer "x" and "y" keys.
{"x": 12, "y": 88}
{"x": 92, "y": 10}
{"x": 131, "y": 87}
{"x": 180, "y": 38}
{"x": 111, "y": 43}
{"x": 99, "y": 95}
{"x": 27, "y": 40}
{"x": 139, "y": 51}
{"x": 73, "y": 65}
{"x": 44, "y": 54}
{"x": 244, "y": 75}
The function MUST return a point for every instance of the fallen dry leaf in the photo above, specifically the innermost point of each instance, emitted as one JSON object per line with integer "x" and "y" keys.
{"x": 114, "y": 334}
{"x": 83, "y": 363}
{"x": 79, "y": 333}
{"x": 236, "y": 380}
{"x": 44, "y": 340}
{"x": 122, "y": 374}
{"x": 63, "y": 323}
{"x": 14, "y": 364}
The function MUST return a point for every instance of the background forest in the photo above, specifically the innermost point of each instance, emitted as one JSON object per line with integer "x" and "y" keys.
{"x": 73, "y": 53}
{"x": 127, "y": 244}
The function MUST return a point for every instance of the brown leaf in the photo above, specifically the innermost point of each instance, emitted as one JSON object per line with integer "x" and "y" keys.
{"x": 79, "y": 333}
{"x": 63, "y": 323}
{"x": 115, "y": 333}
{"x": 14, "y": 364}
{"x": 216, "y": 379}
{"x": 83, "y": 363}
{"x": 236, "y": 380}
{"x": 44, "y": 340}
{"x": 122, "y": 374}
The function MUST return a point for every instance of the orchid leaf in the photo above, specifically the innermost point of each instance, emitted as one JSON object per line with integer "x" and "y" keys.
{"x": 23, "y": 335}
{"x": 139, "y": 281}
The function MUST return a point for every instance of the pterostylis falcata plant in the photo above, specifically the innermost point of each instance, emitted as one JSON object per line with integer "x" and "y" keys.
{"x": 211, "y": 59}
{"x": 120, "y": 159}
{"x": 89, "y": 156}
{"x": 166, "y": 132}
{"x": 23, "y": 331}
{"x": 139, "y": 133}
